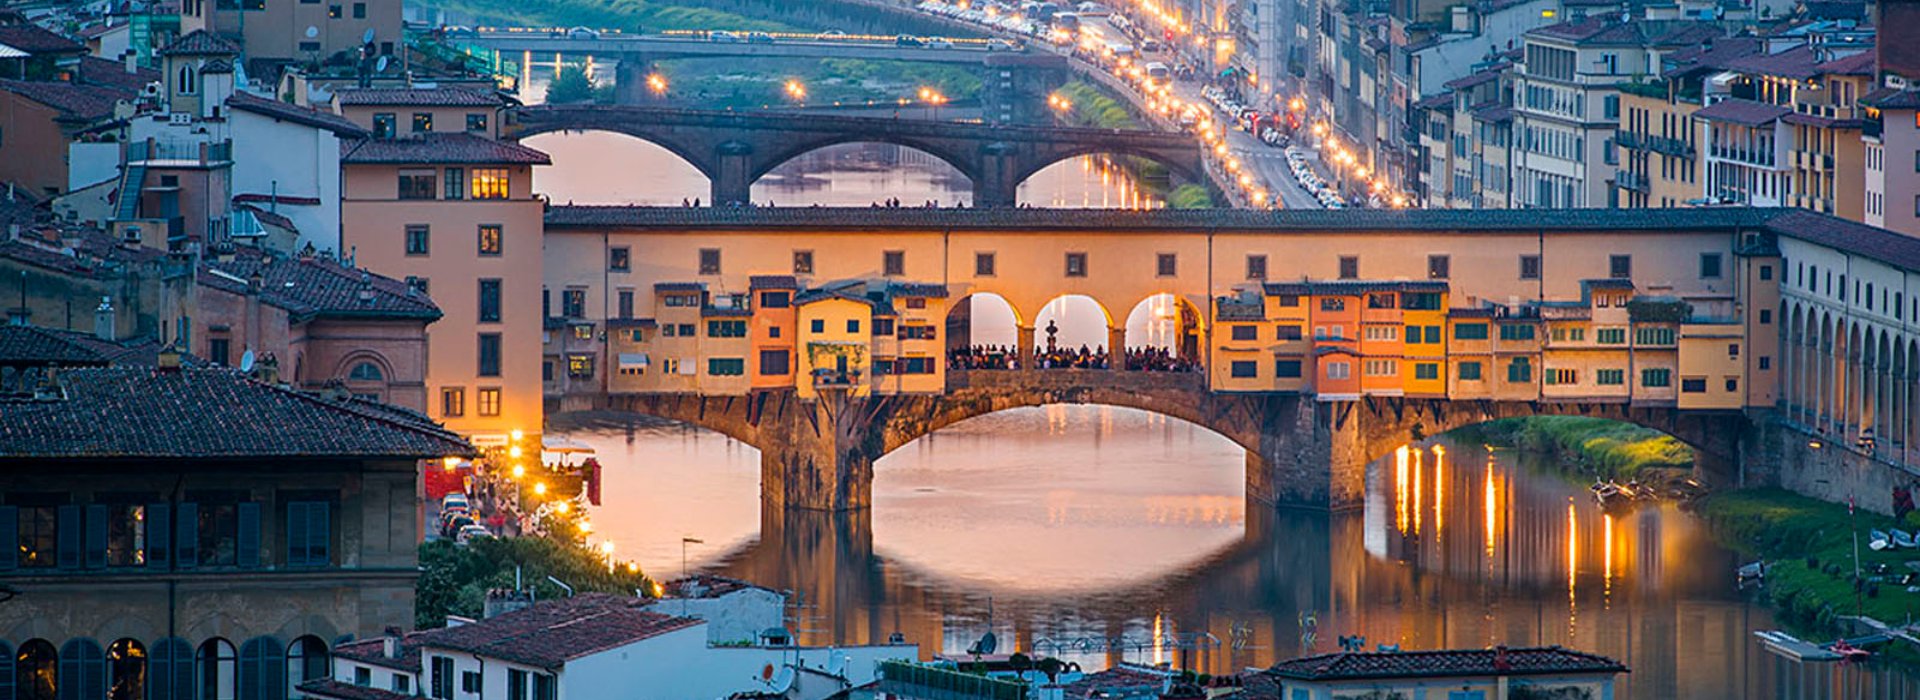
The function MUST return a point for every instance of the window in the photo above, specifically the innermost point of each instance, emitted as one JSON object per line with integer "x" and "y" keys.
{"x": 1166, "y": 265}
{"x": 893, "y": 263}
{"x": 491, "y": 183}
{"x": 363, "y": 676}
{"x": 216, "y": 670}
{"x": 491, "y": 240}
{"x": 1382, "y": 332}
{"x": 456, "y": 185}
{"x": 309, "y": 535}
{"x": 477, "y": 121}
{"x": 1766, "y": 316}
{"x": 441, "y": 678}
{"x": 726, "y": 329}
{"x": 489, "y": 355}
{"x": 419, "y": 240}
{"x": 489, "y": 301}
{"x": 1246, "y": 332}
{"x": 334, "y": 12}
{"x": 1426, "y": 370}
{"x": 1286, "y": 369}
{"x": 1470, "y": 331}
{"x": 1244, "y": 369}
{"x": 573, "y": 303}
{"x": 1349, "y": 267}
{"x": 818, "y": 325}
{"x": 579, "y": 366}
{"x": 1693, "y": 385}
{"x": 416, "y": 184}
{"x": 543, "y": 686}
{"x": 1288, "y": 332}
{"x": 1554, "y": 377}
{"x": 1076, "y": 264}
{"x": 219, "y": 351}
{"x": 359, "y": 10}
{"x": 726, "y": 366}
{"x": 775, "y": 363}
{"x": 1653, "y": 336}
{"x": 1288, "y": 301}
{"x": 422, "y": 122}
{"x": 1516, "y": 331}
{"x": 624, "y": 308}
{"x": 470, "y": 682}
{"x": 1420, "y": 301}
{"x": 1469, "y": 371}
{"x": 1519, "y": 371}
{"x": 1656, "y": 377}
{"x": 401, "y": 685}
{"x": 1709, "y": 266}
{"x": 1733, "y": 384}
{"x": 1733, "y": 350}
{"x": 1766, "y": 273}
{"x": 516, "y": 684}
{"x": 383, "y": 125}
{"x": 802, "y": 261}
{"x": 913, "y": 332}
{"x": 1529, "y": 267}
{"x": 1610, "y": 377}
{"x": 710, "y": 261}
{"x": 488, "y": 401}
{"x": 1439, "y": 267}
{"x": 1382, "y": 368}
{"x": 1766, "y": 362}
{"x": 453, "y": 402}
{"x": 1256, "y": 267}
{"x": 853, "y": 325}
{"x": 1333, "y": 304}
{"x": 1610, "y": 336}
{"x": 1339, "y": 370}
{"x": 983, "y": 264}
{"x": 1620, "y": 266}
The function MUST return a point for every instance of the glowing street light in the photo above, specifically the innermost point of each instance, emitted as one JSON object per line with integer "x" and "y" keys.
{"x": 657, "y": 83}
{"x": 519, "y": 471}
{"x": 540, "y": 489}
{"x": 796, "y": 91}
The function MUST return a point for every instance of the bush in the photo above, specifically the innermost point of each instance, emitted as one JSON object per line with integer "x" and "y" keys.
{"x": 1607, "y": 447}
{"x": 454, "y": 580}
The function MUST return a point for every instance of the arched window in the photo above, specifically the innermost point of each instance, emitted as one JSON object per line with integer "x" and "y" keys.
{"x": 307, "y": 660}
{"x": 6, "y": 672}
{"x": 170, "y": 670}
{"x": 263, "y": 669}
{"x": 126, "y": 670}
{"x": 187, "y": 81}
{"x": 366, "y": 372}
{"x": 215, "y": 676}
{"x": 83, "y": 670}
{"x": 36, "y": 671}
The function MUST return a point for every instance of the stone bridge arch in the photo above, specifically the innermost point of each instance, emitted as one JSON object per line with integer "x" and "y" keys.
{"x": 779, "y": 154}
{"x": 1185, "y": 165}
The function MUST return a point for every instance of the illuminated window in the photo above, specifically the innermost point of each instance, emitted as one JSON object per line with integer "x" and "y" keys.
{"x": 491, "y": 243}
{"x": 489, "y": 401}
{"x": 491, "y": 183}
{"x": 453, "y": 402}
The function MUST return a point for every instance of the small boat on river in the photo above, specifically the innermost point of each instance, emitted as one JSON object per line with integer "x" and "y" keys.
{"x": 1901, "y": 538}
{"x": 1878, "y": 540}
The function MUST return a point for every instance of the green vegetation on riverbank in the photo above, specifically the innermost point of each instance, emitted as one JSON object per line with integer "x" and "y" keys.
{"x": 1604, "y": 448}
{"x": 454, "y": 580}
{"x": 625, "y": 15}
{"x": 1189, "y": 196}
{"x": 1809, "y": 545}
{"x": 1093, "y": 107}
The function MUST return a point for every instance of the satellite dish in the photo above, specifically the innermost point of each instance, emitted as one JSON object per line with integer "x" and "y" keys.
{"x": 985, "y": 647}
{"x": 312, "y": 31}
{"x": 246, "y": 361}
{"x": 782, "y": 680}
{"x": 380, "y": 66}
{"x": 836, "y": 663}
{"x": 367, "y": 38}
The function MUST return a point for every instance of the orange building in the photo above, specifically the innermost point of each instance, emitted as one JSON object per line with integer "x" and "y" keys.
{"x": 771, "y": 360}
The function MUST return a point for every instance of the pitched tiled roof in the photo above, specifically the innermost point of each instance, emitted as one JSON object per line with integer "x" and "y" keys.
{"x": 35, "y": 40}
{"x": 113, "y": 74}
{"x": 772, "y": 282}
{"x": 1493, "y": 112}
{"x": 145, "y": 412}
{"x": 1834, "y": 232}
{"x": 1440, "y": 101}
{"x": 419, "y": 97}
{"x": 1742, "y": 112}
{"x": 287, "y": 111}
{"x": 1353, "y": 286}
{"x": 440, "y": 148}
{"x": 1517, "y": 661}
{"x": 93, "y": 254}
{"x": 1125, "y": 680}
{"x": 1473, "y": 79}
{"x": 917, "y": 289}
{"x": 1891, "y": 98}
{"x": 1796, "y": 63}
{"x": 329, "y": 688}
{"x": 549, "y": 634}
{"x": 200, "y": 42}
{"x": 1711, "y": 55}
{"x": 318, "y": 286}
{"x": 1857, "y": 64}
{"x": 708, "y": 586}
{"x": 75, "y": 102}
{"x": 32, "y": 345}
{"x": 373, "y": 652}
{"x": 679, "y": 286}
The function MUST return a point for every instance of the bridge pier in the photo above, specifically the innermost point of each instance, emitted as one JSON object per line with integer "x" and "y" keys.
{"x": 997, "y": 182}
{"x": 733, "y": 174}
{"x": 1309, "y": 455}
{"x": 630, "y": 80}
{"x": 818, "y": 455}
{"x": 1117, "y": 348}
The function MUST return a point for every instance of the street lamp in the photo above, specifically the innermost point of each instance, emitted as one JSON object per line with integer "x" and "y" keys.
{"x": 657, "y": 83}
{"x": 606, "y": 548}
{"x": 797, "y": 91}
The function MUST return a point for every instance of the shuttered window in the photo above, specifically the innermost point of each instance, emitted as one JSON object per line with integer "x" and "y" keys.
{"x": 263, "y": 667}
{"x": 9, "y": 560}
{"x": 96, "y": 535}
{"x": 83, "y": 670}
{"x": 69, "y": 533}
{"x": 159, "y": 535}
{"x": 309, "y": 535}
{"x": 169, "y": 670}
{"x": 187, "y": 536}
{"x": 247, "y": 554}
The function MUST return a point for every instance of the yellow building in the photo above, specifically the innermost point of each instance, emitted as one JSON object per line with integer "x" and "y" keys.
{"x": 1711, "y": 366}
{"x": 723, "y": 348}
{"x": 835, "y": 342}
{"x": 910, "y": 356}
{"x": 1424, "y": 312}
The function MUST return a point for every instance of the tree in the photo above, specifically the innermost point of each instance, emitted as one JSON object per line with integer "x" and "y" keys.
{"x": 572, "y": 85}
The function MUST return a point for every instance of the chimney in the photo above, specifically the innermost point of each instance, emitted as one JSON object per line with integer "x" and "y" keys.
{"x": 390, "y": 644}
{"x": 103, "y": 320}
{"x": 170, "y": 358}
{"x": 131, "y": 60}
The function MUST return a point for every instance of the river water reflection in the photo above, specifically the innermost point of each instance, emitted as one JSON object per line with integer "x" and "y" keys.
{"x": 1062, "y": 527}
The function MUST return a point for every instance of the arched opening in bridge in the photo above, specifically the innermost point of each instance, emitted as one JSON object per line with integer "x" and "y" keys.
{"x": 602, "y": 167}
{"x": 1099, "y": 181}
{"x": 863, "y": 174}
{"x": 1059, "y": 497}
{"x": 1076, "y": 325}
{"x": 1163, "y": 330}
{"x": 983, "y": 331}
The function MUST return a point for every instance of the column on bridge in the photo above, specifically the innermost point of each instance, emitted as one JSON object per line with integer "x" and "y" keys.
{"x": 733, "y": 179}
{"x": 630, "y": 80}
{"x": 1117, "y": 348}
{"x": 1024, "y": 337}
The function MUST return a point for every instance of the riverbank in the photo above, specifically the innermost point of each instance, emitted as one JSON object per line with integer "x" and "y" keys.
{"x": 1809, "y": 546}
{"x": 1599, "y": 448}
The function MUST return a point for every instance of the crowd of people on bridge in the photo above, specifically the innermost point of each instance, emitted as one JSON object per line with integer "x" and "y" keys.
{"x": 1149, "y": 359}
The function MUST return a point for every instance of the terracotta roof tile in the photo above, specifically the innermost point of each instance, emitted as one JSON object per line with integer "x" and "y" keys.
{"x": 419, "y": 97}
{"x": 1857, "y": 64}
{"x": 75, "y": 102}
{"x": 287, "y": 111}
{"x": 32, "y": 345}
{"x": 329, "y": 688}
{"x": 200, "y": 42}
{"x": 142, "y": 412}
{"x": 1890, "y": 98}
{"x": 549, "y": 634}
{"x": 35, "y": 40}
{"x": 1796, "y": 63}
{"x": 113, "y": 74}
{"x": 1742, "y": 112}
{"x": 1518, "y": 661}
{"x": 318, "y": 286}
{"x": 439, "y": 148}
{"x": 708, "y": 586}
{"x": 373, "y": 652}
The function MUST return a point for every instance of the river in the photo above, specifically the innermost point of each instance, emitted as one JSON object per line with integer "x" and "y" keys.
{"x": 1063, "y": 527}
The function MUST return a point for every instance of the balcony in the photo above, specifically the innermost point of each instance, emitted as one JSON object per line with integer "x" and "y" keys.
{"x": 1670, "y": 146}
{"x": 1630, "y": 140}
{"x": 1629, "y": 180}
{"x": 835, "y": 379}
{"x": 180, "y": 153}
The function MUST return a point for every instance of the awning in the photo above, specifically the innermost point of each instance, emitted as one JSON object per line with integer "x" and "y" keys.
{"x": 630, "y": 360}
{"x": 687, "y": 368}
